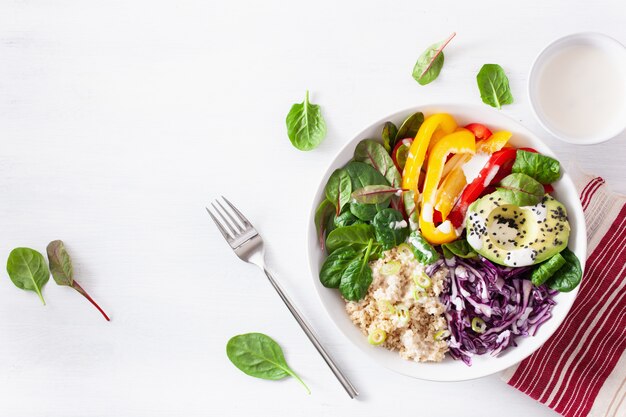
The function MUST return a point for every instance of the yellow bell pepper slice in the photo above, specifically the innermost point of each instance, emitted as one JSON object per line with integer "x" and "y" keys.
{"x": 494, "y": 143}
{"x": 450, "y": 188}
{"x": 417, "y": 151}
{"x": 457, "y": 142}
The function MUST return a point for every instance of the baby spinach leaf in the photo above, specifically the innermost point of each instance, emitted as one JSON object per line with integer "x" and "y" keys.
{"x": 520, "y": 190}
{"x": 410, "y": 208}
{"x": 541, "y": 167}
{"x": 362, "y": 174}
{"x": 63, "y": 271}
{"x": 366, "y": 212}
{"x": 430, "y": 62}
{"x": 28, "y": 270}
{"x": 258, "y": 355}
{"x": 374, "y": 194}
{"x": 322, "y": 215}
{"x": 459, "y": 248}
{"x": 338, "y": 189}
{"x": 335, "y": 264}
{"x": 424, "y": 252}
{"x": 547, "y": 269}
{"x": 569, "y": 275}
{"x": 346, "y": 219}
{"x": 357, "y": 277}
{"x": 410, "y": 126}
{"x": 374, "y": 154}
{"x": 389, "y": 136}
{"x": 356, "y": 236}
{"x": 306, "y": 127}
{"x": 494, "y": 86}
{"x": 390, "y": 228}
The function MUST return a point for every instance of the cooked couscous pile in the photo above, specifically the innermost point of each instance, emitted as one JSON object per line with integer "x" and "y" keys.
{"x": 401, "y": 310}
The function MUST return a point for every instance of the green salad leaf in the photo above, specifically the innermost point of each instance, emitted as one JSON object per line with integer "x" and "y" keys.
{"x": 362, "y": 175}
{"x": 357, "y": 236}
{"x": 338, "y": 189}
{"x": 323, "y": 213}
{"x": 28, "y": 270}
{"x": 390, "y": 132}
{"x": 389, "y": 229}
{"x": 424, "y": 252}
{"x": 258, "y": 355}
{"x": 410, "y": 126}
{"x": 459, "y": 248}
{"x": 346, "y": 219}
{"x": 541, "y": 167}
{"x": 410, "y": 208}
{"x": 567, "y": 277}
{"x": 547, "y": 269}
{"x": 373, "y": 153}
{"x": 520, "y": 189}
{"x": 494, "y": 86}
{"x": 366, "y": 212}
{"x": 430, "y": 63}
{"x": 306, "y": 127}
{"x": 374, "y": 194}
{"x": 335, "y": 264}
{"x": 357, "y": 277}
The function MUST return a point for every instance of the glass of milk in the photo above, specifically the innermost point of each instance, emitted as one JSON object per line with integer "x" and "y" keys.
{"x": 577, "y": 88}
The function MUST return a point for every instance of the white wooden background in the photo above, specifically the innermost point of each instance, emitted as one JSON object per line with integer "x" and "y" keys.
{"x": 121, "y": 119}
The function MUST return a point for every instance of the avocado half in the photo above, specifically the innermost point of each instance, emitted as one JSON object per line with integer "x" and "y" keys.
{"x": 511, "y": 235}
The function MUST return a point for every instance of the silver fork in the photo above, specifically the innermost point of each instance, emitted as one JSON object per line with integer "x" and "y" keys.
{"x": 246, "y": 242}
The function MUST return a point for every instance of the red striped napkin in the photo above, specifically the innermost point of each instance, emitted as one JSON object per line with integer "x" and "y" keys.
{"x": 581, "y": 370}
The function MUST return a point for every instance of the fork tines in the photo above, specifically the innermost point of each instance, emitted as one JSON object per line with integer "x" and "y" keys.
{"x": 229, "y": 220}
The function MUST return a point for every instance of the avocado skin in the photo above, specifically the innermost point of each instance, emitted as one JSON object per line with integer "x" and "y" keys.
{"x": 536, "y": 238}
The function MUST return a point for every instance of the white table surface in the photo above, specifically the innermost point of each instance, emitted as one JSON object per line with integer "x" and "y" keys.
{"x": 121, "y": 119}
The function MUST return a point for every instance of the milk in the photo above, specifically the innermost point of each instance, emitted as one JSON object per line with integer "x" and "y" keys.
{"x": 581, "y": 92}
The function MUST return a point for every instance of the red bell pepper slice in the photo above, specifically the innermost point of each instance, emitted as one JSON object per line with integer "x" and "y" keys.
{"x": 481, "y": 132}
{"x": 501, "y": 161}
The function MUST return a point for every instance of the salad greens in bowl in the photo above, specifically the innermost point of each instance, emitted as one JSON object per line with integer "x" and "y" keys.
{"x": 447, "y": 242}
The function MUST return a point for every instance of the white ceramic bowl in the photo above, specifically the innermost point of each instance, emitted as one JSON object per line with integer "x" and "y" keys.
{"x": 597, "y": 40}
{"x": 449, "y": 369}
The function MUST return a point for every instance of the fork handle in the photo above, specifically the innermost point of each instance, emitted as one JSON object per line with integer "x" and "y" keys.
{"x": 345, "y": 382}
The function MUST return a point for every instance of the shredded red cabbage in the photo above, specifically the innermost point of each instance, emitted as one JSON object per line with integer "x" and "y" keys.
{"x": 504, "y": 298}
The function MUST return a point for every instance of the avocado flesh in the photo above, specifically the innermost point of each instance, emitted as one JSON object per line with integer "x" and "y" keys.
{"x": 510, "y": 235}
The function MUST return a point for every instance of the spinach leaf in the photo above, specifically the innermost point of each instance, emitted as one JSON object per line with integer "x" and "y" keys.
{"x": 63, "y": 271}
{"x": 542, "y": 168}
{"x": 494, "y": 86}
{"x": 459, "y": 248}
{"x": 306, "y": 127}
{"x": 258, "y": 355}
{"x": 374, "y": 154}
{"x": 374, "y": 194}
{"x": 410, "y": 208}
{"x": 28, "y": 270}
{"x": 323, "y": 213}
{"x": 547, "y": 269}
{"x": 520, "y": 190}
{"x": 430, "y": 62}
{"x": 366, "y": 212}
{"x": 409, "y": 128}
{"x": 346, "y": 219}
{"x": 356, "y": 236}
{"x": 390, "y": 228}
{"x": 569, "y": 275}
{"x": 338, "y": 189}
{"x": 335, "y": 264}
{"x": 389, "y": 135}
{"x": 424, "y": 252}
{"x": 357, "y": 277}
{"x": 363, "y": 175}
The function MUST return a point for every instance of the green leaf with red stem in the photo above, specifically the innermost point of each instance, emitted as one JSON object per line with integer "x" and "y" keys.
{"x": 375, "y": 194}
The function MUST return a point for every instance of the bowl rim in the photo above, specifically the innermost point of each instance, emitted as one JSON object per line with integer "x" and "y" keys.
{"x": 581, "y": 239}
{"x": 550, "y": 49}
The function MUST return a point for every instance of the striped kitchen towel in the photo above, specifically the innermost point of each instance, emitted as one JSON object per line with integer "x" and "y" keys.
{"x": 581, "y": 370}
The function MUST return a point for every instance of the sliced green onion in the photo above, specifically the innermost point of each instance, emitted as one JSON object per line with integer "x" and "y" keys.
{"x": 479, "y": 325}
{"x": 419, "y": 294}
{"x": 391, "y": 268}
{"x": 403, "y": 314}
{"x": 405, "y": 249}
{"x": 441, "y": 334}
{"x": 386, "y": 304}
{"x": 422, "y": 280}
{"x": 376, "y": 337}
